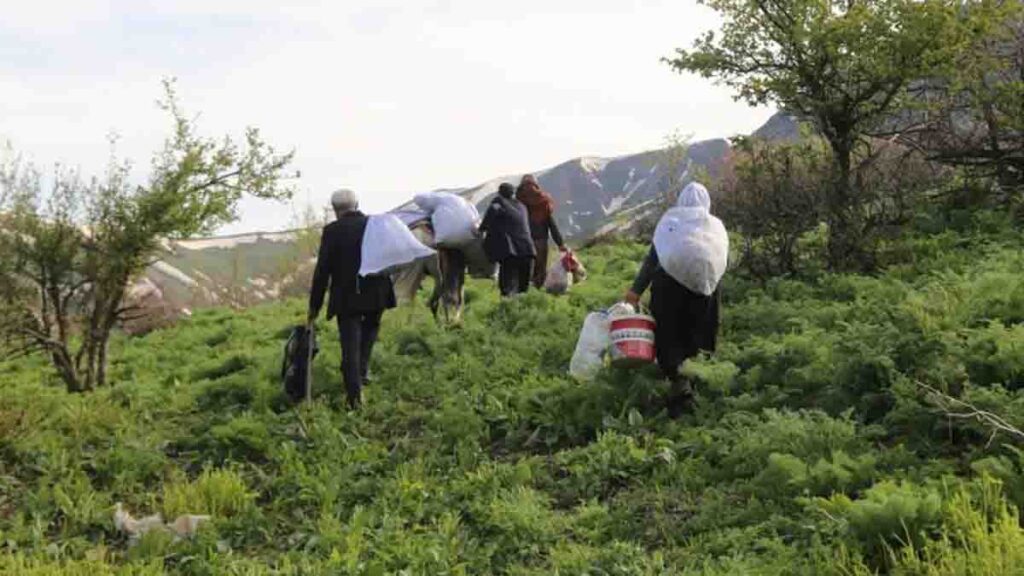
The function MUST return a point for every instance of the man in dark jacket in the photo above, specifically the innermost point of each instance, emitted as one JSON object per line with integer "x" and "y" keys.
{"x": 358, "y": 303}
{"x": 507, "y": 241}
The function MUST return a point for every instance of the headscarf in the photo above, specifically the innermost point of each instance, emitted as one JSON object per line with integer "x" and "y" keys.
{"x": 693, "y": 245}
{"x": 694, "y": 195}
{"x": 539, "y": 203}
{"x": 694, "y": 201}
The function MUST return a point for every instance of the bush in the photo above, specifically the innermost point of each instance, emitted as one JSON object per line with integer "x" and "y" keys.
{"x": 217, "y": 493}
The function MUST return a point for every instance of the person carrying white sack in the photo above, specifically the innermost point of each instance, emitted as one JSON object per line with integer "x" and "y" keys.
{"x": 357, "y": 301}
{"x": 454, "y": 225}
{"x": 683, "y": 270}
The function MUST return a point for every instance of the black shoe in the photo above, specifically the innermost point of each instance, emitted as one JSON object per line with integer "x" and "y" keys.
{"x": 680, "y": 404}
{"x": 354, "y": 404}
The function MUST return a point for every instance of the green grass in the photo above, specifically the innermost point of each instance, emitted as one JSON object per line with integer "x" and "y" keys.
{"x": 811, "y": 451}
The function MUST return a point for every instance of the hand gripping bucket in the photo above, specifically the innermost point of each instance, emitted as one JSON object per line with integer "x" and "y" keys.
{"x": 632, "y": 337}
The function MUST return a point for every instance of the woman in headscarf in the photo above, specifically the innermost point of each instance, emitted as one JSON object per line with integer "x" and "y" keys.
{"x": 683, "y": 270}
{"x": 541, "y": 207}
{"x": 507, "y": 241}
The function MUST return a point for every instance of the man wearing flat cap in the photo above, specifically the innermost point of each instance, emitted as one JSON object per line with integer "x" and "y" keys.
{"x": 357, "y": 302}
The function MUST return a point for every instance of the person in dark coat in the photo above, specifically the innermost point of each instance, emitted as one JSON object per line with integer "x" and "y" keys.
{"x": 541, "y": 208}
{"x": 507, "y": 241}
{"x": 358, "y": 303}
{"x": 687, "y": 322}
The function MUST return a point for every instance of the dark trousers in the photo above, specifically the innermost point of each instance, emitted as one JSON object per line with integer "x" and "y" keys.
{"x": 540, "y": 265}
{"x": 514, "y": 275}
{"x": 358, "y": 334}
{"x": 687, "y": 323}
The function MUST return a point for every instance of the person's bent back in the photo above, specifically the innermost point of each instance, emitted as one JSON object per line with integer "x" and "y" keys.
{"x": 357, "y": 302}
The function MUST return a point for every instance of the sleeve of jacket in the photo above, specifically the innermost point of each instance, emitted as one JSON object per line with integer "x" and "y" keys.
{"x": 321, "y": 276}
{"x": 556, "y": 234}
{"x": 489, "y": 217}
{"x": 646, "y": 274}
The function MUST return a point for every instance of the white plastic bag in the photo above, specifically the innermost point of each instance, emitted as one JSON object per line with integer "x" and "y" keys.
{"x": 388, "y": 244}
{"x": 588, "y": 359}
{"x": 571, "y": 261}
{"x": 621, "y": 309}
{"x": 559, "y": 279}
{"x": 692, "y": 245}
{"x": 429, "y": 201}
{"x": 454, "y": 218}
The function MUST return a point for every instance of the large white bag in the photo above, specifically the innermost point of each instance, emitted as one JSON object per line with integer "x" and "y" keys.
{"x": 588, "y": 359}
{"x": 429, "y": 201}
{"x": 559, "y": 278}
{"x": 455, "y": 219}
{"x": 692, "y": 245}
{"x": 388, "y": 244}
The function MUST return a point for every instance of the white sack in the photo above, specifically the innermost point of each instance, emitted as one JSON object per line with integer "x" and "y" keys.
{"x": 588, "y": 359}
{"x": 389, "y": 244}
{"x": 428, "y": 201}
{"x": 692, "y": 245}
{"x": 455, "y": 219}
{"x": 559, "y": 279}
{"x": 412, "y": 217}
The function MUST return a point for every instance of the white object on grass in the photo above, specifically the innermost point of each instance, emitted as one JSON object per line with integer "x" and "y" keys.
{"x": 186, "y": 526}
{"x": 588, "y": 359}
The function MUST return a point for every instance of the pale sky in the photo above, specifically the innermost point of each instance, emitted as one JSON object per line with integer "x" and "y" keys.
{"x": 387, "y": 97}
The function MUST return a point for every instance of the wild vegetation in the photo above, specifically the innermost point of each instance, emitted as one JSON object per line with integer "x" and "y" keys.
{"x": 824, "y": 440}
{"x": 862, "y": 415}
{"x": 941, "y": 75}
{"x": 68, "y": 256}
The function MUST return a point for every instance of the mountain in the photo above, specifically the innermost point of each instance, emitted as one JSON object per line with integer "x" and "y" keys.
{"x": 592, "y": 192}
{"x": 238, "y": 270}
{"x": 595, "y": 197}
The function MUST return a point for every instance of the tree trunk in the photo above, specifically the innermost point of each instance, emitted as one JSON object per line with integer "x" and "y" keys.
{"x": 842, "y": 241}
{"x": 66, "y": 369}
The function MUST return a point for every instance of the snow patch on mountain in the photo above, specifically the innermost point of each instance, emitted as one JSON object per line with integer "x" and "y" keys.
{"x": 593, "y": 164}
{"x": 227, "y": 242}
{"x": 168, "y": 270}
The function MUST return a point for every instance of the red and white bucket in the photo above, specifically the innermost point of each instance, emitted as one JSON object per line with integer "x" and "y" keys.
{"x": 632, "y": 337}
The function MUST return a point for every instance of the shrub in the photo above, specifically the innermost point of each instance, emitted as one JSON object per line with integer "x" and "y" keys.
{"x": 218, "y": 493}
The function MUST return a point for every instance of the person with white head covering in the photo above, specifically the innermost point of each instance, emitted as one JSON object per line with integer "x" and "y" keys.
{"x": 357, "y": 302}
{"x": 683, "y": 270}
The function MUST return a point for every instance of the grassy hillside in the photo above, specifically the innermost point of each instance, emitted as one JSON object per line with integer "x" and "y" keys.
{"x": 813, "y": 448}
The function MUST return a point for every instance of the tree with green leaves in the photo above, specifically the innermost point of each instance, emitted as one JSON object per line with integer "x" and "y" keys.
{"x": 68, "y": 256}
{"x": 976, "y": 117}
{"x": 845, "y": 65}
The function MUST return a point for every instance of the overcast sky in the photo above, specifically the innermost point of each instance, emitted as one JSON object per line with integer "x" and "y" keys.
{"x": 388, "y": 97}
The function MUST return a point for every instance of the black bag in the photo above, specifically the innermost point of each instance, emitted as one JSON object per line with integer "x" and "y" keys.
{"x": 297, "y": 363}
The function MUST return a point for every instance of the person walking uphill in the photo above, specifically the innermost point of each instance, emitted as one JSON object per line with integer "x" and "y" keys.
{"x": 541, "y": 207}
{"x": 683, "y": 269}
{"x": 357, "y": 302}
{"x": 506, "y": 230}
